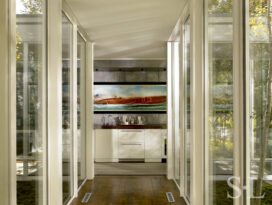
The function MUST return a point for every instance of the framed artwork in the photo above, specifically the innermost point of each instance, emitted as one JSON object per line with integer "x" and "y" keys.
{"x": 130, "y": 97}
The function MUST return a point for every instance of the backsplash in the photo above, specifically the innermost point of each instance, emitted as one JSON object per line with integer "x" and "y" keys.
{"x": 116, "y": 119}
{"x": 140, "y": 76}
{"x": 130, "y": 71}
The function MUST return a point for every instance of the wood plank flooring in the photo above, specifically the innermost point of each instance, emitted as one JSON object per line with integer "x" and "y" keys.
{"x": 129, "y": 190}
{"x": 116, "y": 169}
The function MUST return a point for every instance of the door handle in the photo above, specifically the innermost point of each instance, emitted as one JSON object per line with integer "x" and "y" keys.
{"x": 132, "y": 144}
{"x": 131, "y": 130}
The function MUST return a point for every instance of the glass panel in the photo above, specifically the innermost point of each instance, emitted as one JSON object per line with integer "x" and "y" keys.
{"x": 187, "y": 107}
{"x": 30, "y": 72}
{"x": 220, "y": 100}
{"x": 81, "y": 46}
{"x": 176, "y": 113}
{"x": 67, "y": 36}
{"x": 260, "y": 72}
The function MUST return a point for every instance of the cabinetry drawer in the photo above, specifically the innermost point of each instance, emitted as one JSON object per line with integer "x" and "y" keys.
{"x": 131, "y": 136}
{"x": 130, "y": 150}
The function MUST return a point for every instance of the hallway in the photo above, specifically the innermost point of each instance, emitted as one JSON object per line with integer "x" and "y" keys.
{"x": 132, "y": 100}
{"x": 129, "y": 190}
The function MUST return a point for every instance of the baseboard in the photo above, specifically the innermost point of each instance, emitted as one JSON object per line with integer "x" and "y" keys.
{"x": 153, "y": 160}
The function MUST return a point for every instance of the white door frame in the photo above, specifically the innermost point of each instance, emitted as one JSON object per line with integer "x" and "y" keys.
{"x": 8, "y": 102}
{"x": 198, "y": 96}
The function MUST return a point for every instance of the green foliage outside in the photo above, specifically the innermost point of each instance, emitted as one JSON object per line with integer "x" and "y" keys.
{"x": 220, "y": 6}
{"x": 260, "y": 53}
{"x": 222, "y": 189}
{"x": 27, "y": 191}
{"x": 32, "y": 6}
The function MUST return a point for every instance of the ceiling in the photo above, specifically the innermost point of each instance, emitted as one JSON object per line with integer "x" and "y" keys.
{"x": 136, "y": 29}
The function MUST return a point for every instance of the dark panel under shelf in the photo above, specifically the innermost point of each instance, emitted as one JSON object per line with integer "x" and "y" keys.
{"x": 130, "y": 127}
{"x": 130, "y": 83}
{"x": 130, "y": 112}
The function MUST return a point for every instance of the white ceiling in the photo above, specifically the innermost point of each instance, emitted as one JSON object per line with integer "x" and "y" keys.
{"x": 128, "y": 28}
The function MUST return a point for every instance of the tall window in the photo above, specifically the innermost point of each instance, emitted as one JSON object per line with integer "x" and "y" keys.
{"x": 81, "y": 49}
{"x": 67, "y": 113}
{"x": 219, "y": 109}
{"x": 260, "y": 72}
{"x": 187, "y": 107}
{"x": 30, "y": 106}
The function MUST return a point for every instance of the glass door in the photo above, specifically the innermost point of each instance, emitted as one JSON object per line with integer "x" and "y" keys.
{"x": 219, "y": 101}
{"x": 30, "y": 101}
{"x": 260, "y": 91}
{"x": 67, "y": 111}
{"x": 187, "y": 107}
{"x": 176, "y": 99}
{"x": 81, "y": 129}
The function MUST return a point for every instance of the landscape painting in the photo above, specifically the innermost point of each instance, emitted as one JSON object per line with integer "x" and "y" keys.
{"x": 130, "y": 97}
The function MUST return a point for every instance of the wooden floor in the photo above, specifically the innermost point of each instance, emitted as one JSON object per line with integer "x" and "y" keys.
{"x": 129, "y": 190}
{"x": 116, "y": 169}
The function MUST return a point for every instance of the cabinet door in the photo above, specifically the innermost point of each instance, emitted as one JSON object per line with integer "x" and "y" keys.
{"x": 131, "y": 144}
{"x": 131, "y": 136}
{"x": 106, "y": 145}
{"x": 131, "y": 151}
{"x": 153, "y": 145}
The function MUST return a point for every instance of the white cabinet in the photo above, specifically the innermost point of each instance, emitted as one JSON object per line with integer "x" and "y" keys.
{"x": 131, "y": 144}
{"x": 106, "y": 145}
{"x": 114, "y": 144}
{"x": 131, "y": 136}
{"x": 153, "y": 145}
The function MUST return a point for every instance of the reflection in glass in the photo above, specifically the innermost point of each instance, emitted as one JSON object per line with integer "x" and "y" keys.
{"x": 81, "y": 46}
{"x": 67, "y": 31}
{"x": 30, "y": 67}
{"x": 220, "y": 100}
{"x": 176, "y": 113}
{"x": 260, "y": 72}
{"x": 187, "y": 107}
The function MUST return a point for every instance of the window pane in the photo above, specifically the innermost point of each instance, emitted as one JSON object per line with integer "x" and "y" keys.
{"x": 67, "y": 36}
{"x": 220, "y": 99}
{"x": 176, "y": 112}
{"x": 260, "y": 70}
{"x": 187, "y": 107}
{"x": 30, "y": 72}
{"x": 81, "y": 46}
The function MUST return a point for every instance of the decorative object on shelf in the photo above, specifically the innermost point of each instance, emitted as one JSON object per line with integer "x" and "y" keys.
{"x": 132, "y": 121}
{"x": 124, "y": 120}
{"x": 140, "y": 120}
{"x": 103, "y": 120}
{"x": 110, "y": 120}
{"x": 130, "y": 98}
